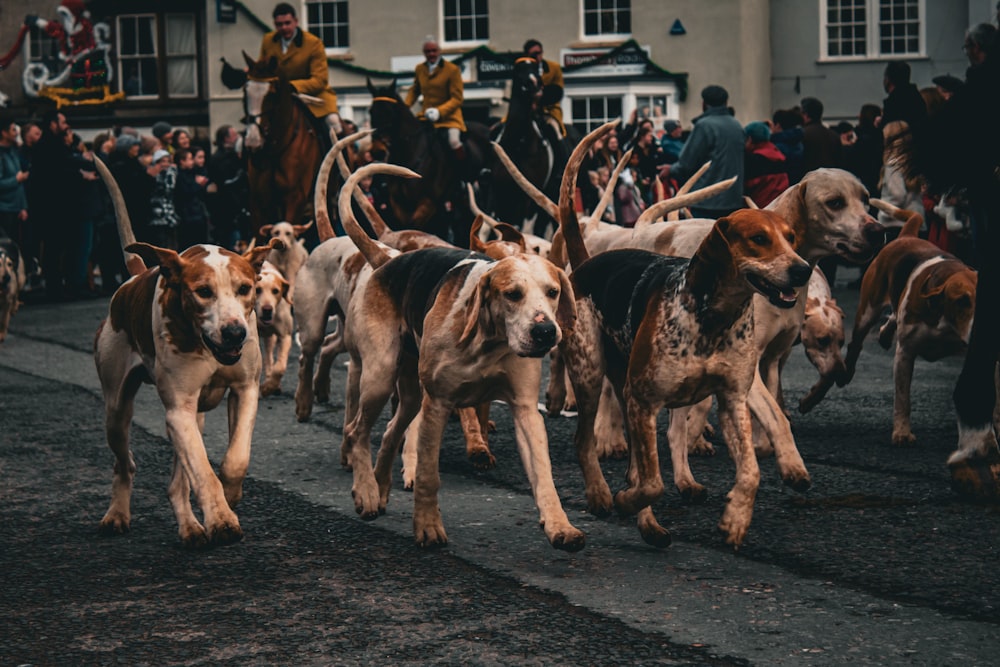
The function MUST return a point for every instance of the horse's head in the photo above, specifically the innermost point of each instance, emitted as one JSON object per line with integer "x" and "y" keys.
{"x": 386, "y": 115}
{"x": 525, "y": 79}
{"x": 262, "y": 76}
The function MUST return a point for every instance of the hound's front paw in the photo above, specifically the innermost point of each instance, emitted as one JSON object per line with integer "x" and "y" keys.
{"x": 616, "y": 448}
{"x": 482, "y": 459}
{"x": 693, "y": 493}
{"x": 599, "y": 502}
{"x": 568, "y": 539}
{"x": 736, "y": 519}
{"x": 194, "y": 537}
{"x": 701, "y": 447}
{"x": 226, "y": 533}
{"x": 429, "y": 533}
{"x": 651, "y": 531}
{"x": 114, "y": 524}
{"x": 366, "y": 502}
{"x": 977, "y": 478}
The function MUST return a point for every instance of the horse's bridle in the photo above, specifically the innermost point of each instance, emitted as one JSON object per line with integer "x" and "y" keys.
{"x": 382, "y": 137}
{"x": 254, "y": 120}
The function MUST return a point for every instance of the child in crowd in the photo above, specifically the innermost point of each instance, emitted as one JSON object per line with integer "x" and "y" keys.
{"x": 163, "y": 223}
{"x": 765, "y": 170}
{"x": 192, "y": 213}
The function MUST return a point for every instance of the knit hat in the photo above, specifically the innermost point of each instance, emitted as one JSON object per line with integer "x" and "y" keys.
{"x": 670, "y": 125}
{"x": 950, "y": 83}
{"x": 758, "y": 131}
{"x": 159, "y": 155}
{"x": 161, "y": 129}
{"x": 125, "y": 142}
{"x": 715, "y": 96}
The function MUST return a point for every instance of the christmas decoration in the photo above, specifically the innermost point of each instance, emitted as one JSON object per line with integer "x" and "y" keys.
{"x": 81, "y": 75}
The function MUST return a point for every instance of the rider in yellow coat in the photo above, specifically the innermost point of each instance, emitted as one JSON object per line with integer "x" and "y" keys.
{"x": 552, "y": 85}
{"x": 302, "y": 60}
{"x": 441, "y": 84}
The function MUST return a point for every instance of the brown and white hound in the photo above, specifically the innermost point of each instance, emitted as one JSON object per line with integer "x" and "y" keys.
{"x": 822, "y": 338}
{"x": 186, "y": 325}
{"x": 292, "y": 255}
{"x": 329, "y": 279}
{"x": 12, "y": 279}
{"x": 275, "y": 326}
{"x": 932, "y": 296}
{"x": 447, "y": 328}
{"x": 669, "y": 332}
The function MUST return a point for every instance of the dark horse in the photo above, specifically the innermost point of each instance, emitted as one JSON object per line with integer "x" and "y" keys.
{"x": 285, "y": 144}
{"x": 523, "y": 138}
{"x": 437, "y": 202}
{"x": 532, "y": 144}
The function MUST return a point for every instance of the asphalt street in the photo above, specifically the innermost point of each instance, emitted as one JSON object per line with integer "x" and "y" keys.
{"x": 879, "y": 563}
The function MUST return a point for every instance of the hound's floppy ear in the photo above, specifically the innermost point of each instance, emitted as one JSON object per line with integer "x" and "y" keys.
{"x": 716, "y": 247}
{"x": 511, "y": 234}
{"x": 265, "y": 230}
{"x": 169, "y": 261}
{"x": 299, "y": 230}
{"x": 566, "y": 310}
{"x": 285, "y": 286}
{"x": 477, "y": 314}
{"x": 256, "y": 256}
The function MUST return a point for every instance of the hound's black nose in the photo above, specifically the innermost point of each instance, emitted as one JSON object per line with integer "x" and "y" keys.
{"x": 799, "y": 274}
{"x": 544, "y": 334}
{"x": 233, "y": 335}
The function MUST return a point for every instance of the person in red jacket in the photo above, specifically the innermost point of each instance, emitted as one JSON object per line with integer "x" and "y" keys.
{"x": 765, "y": 170}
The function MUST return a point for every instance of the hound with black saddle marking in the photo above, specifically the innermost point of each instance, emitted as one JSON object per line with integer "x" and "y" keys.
{"x": 448, "y": 328}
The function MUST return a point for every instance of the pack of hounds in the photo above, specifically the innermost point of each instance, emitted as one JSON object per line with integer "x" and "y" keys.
{"x": 676, "y": 313}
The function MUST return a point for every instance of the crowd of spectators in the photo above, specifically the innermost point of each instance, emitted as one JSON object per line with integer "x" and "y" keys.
{"x": 55, "y": 207}
{"x": 770, "y": 155}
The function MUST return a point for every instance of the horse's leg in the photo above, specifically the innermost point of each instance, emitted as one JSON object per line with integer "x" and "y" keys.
{"x": 261, "y": 201}
{"x": 296, "y": 182}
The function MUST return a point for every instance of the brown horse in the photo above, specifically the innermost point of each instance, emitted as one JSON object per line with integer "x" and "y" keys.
{"x": 285, "y": 145}
{"x": 437, "y": 202}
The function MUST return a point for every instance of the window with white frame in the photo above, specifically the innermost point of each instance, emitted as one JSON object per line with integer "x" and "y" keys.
{"x": 328, "y": 20}
{"x": 871, "y": 29}
{"x": 465, "y": 20}
{"x": 653, "y": 107}
{"x": 182, "y": 55}
{"x": 607, "y": 18}
{"x": 592, "y": 111}
{"x": 42, "y": 48}
{"x": 157, "y": 55}
{"x": 137, "y": 56}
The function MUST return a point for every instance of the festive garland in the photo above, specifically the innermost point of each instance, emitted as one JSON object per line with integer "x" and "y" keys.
{"x": 80, "y": 96}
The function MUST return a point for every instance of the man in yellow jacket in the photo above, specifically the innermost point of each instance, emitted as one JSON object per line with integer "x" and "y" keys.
{"x": 552, "y": 85}
{"x": 440, "y": 82}
{"x": 302, "y": 60}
